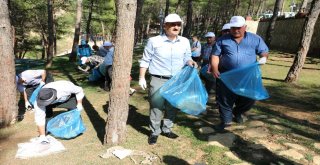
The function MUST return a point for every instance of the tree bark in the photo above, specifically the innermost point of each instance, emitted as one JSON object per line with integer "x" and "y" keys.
{"x": 137, "y": 24}
{"x": 166, "y": 11}
{"x": 89, "y": 21}
{"x": 308, "y": 29}
{"x": 50, "y": 31}
{"x": 272, "y": 23}
{"x": 119, "y": 95}
{"x": 8, "y": 101}
{"x": 73, "y": 54}
{"x": 303, "y": 8}
{"x": 236, "y": 7}
{"x": 187, "y": 29}
{"x": 259, "y": 9}
{"x": 178, "y": 6}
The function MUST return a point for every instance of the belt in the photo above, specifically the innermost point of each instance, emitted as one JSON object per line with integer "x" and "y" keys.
{"x": 161, "y": 77}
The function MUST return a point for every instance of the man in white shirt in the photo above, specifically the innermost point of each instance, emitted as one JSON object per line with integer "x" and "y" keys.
{"x": 163, "y": 57}
{"x": 60, "y": 94}
{"x": 29, "y": 80}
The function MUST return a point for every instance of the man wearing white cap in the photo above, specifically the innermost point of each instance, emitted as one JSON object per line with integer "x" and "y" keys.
{"x": 106, "y": 68}
{"x": 206, "y": 50}
{"x": 231, "y": 51}
{"x": 106, "y": 48}
{"x": 164, "y": 56}
{"x": 225, "y": 29}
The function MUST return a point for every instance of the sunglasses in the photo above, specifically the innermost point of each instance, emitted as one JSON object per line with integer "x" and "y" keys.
{"x": 171, "y": 24}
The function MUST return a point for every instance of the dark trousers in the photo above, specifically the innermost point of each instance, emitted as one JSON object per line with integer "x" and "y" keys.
{"x": 70, "y": 104}
{"x": 108, "y": 78}
{"x": 29, "y": 89}
{"x": 231, "y": 103}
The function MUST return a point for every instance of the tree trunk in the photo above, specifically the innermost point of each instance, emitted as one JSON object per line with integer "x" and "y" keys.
{"x": 308, "y": 29}
{"x": 187, "y": 29}
{"x": 303, "y": 8}
{"x": 236, "y": 7}
{"x": 249, "y": 8}
{"x": 178, "y": 6}
{"x": 166, "y": 11}
{"x": 50, "y": 31}
{"x": 54, "y": 27}
{"x": 137, "y": 24}
{"x": 73, "y": 54}
{"x": 89, "y": 21}
{"x": 119, "y": 95}
{"x": 103, "y": 31}
{"x": 258, "y": 11}
{"x": 148, "y": 27}
{"x": 272, "y": 23}
{"x": 8, "y": 101}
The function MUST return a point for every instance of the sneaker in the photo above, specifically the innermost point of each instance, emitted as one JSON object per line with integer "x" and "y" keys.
{"x": 170, "y": 135}
{"x": 221, "y": 127}
{"x": 132, "y": 91}
{"x": 238, "y": 119}
{"x": 152, "y": 139}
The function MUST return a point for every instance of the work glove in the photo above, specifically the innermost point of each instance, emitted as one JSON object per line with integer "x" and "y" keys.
{"x": 27, "y": 105}
{"x": 192, "y": 63}
{"x": 42, "y": 83}
{"x": 79, "y": 107}
{"x": 142, "y": 83}
{"x": 262, "y": 60}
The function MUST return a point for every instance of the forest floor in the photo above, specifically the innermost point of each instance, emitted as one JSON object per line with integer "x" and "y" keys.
{"x": 283, "y": 129}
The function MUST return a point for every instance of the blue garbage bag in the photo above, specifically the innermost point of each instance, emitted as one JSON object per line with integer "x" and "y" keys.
{"x": 206, "y": 75}
{"x": 95, "y": 75}
{"x": 186, "y": 92}
{"x": 66, "y": 125}
{"x": 34, "y": 94}
{"x": 246, "y": 81}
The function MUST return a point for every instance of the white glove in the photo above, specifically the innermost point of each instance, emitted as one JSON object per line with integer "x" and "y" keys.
{"x": 79, "y": 107}
{"x": 143, "y": 83}
{"x": 262, "y": 60}
{"x": 192, "y": 64}
{"x": 27, "y": 105}
{"x": 42, "y": 83}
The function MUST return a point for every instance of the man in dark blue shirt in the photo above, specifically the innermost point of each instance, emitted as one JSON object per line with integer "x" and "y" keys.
{"x": 231, "y": 51}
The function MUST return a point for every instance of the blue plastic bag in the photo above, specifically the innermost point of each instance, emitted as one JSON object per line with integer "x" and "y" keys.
{"x": 206, "y": 75}
{"x": 246, "y": 82}
{"x": 186, "y": 92}
{"x": 66, "y": 125}
{"x": 95, "y": 75}
{"x": 34, "y": 94}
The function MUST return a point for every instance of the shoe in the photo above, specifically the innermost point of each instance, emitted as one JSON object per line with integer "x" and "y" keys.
{"x": 152, "y": 139}
{"x": 132, "y": 91}
{"x": 221, "y": 127}
{"x": 238, "y": 119}
{"x": 170, "y": 135}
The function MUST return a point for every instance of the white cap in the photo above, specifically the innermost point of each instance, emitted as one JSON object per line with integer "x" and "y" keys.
{"x": 107, "y": 43}
{"x": 84, "y": 60}
{"x": 237, "y": 21}
{"x": 226, "y": 26}
{"x": 172, "y": 18}
{"x": 209, "y": 34}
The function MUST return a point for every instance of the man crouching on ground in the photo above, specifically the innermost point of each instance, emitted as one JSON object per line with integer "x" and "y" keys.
{"x": 59, "y": 94}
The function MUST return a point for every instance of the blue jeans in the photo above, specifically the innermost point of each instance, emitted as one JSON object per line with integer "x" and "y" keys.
{"x": 231, "y": 103}
{"x": 159, "y": 108}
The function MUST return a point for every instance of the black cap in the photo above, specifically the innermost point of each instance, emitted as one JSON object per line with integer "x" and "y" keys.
{"x": 46, "y": 96}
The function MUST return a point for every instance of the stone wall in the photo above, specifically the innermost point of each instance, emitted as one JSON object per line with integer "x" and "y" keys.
{"x": 287, "y": 34}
